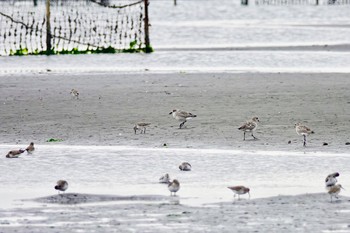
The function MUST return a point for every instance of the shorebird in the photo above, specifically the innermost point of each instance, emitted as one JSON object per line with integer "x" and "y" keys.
{"x": 173, "y": 187}
{"x": 185, "y": 166}
{"x": 61, "y": 185}
{"x": 165, "y": 179}
{"x": 14, "y": 153}
{"x": 182, "y": 116}
{"x": 331, "y": 180}
{"x": 239, "y": 190}
{"x": 250, "y": 126}
{"x": 303, "y": 130}
{"x": 30, "y": 148}
{"x": 335, "y": 190}
{"x": 141, "y": 126}
{"x": 74, "y": 93}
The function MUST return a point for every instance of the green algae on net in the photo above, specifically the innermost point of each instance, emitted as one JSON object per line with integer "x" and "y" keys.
{"x": 54, "y": 140}
{"x": 110, "y": 49}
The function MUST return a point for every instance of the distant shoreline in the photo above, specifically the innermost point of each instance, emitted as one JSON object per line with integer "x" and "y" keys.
{"x": 314, "y": 48}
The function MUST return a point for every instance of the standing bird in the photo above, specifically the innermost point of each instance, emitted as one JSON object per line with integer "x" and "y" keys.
{"x": 331, "y": 180}
{"x": 335, "y": 190}
{"x": 250, "y": 126}
{"x": 141, "y": 126}
{"x": 303, "y": 130}
{"x": 182, "y": 116}
{"x": 165, "y": 179}
{"x": 14, "y": 153}
{"x": 61, "y": 185}
{"x": 185, "y": 166}
{"x": 173, "y": 187}
{"x": 74, "y": 93}
{"x": 30, "y": 148}
{"x": 239, "y": 190}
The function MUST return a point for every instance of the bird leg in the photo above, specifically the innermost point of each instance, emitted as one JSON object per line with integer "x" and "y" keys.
{"x": 244, "y": 136}
{"x": 182, "y": 124}
{"x": 304, "y": 140}
{"x": 254, "y": 136}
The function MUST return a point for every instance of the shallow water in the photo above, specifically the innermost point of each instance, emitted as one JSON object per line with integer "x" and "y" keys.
{"x": 212, "y": 29}
{"x": 135, "y": 171}
{"x": 207, "y": 23}
{"x": 180, "y": 61}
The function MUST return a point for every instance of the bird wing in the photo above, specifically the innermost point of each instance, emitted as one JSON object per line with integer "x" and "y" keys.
{"x": 143, "y": 124}
{"x": 184, "y": 114}
{"x": 305, "y": 129}
{"x": 249, "y": 125}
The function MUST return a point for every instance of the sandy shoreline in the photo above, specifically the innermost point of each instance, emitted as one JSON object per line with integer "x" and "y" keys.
{"x": 37, "y": 107}
{"x": 110, "y": 104}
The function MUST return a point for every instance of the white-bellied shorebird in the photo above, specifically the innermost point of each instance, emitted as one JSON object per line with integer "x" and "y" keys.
{"x": 61, "y": 185}
{"x": 141, "y": 126}
{"x": 335, "y": 190}
{"x": 14, "y": 153}
{"x": 165, "y": 179}
{"x": 74, "y": 93}
{"x": 181, "y": 116}
{"x": 173, "y": 187}
{"x": 30, "y": 149}
{"x": 331, "y": 180}
{"x": 303, "y": 130}
{"x": 185, "y": 166}
{"x": 250, "y": 126}
{"x": 239, "y": 190}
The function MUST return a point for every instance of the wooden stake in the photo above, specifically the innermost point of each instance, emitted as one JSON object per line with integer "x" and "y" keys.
{"x": 48, "y": 28}
{"x": 147, "y": 41}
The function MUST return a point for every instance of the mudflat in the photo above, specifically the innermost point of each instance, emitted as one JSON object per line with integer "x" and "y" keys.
{"x": 38, "y": 107}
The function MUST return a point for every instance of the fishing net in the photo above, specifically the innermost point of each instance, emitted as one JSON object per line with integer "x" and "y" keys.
{"x": 80, "y": 25}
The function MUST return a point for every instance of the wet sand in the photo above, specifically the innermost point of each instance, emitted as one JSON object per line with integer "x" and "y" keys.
{"x": 37, "y": 107}
{"x": 301, "y": 213}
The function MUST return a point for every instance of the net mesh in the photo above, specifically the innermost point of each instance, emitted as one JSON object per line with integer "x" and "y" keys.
{"x": 75, "y": 25}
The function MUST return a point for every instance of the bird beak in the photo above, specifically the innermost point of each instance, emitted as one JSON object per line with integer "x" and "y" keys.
{"x": 170, "y": 113}
{"x": 342, "y": 188}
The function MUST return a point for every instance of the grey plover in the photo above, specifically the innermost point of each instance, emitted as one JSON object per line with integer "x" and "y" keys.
{"x": 61, "y": 185}
{"x": 141, "y": 126}
{"x": 181, "y": 116}
{"x": 250, "y": 126}
{"x": 185, "y": 166}
{"x": 303, "y": 130}
{"x": 334, "y": 191}
{"x": 173, "y": 187}
{"x": 165, "y": 179}
{"x": 14, "y": 153}
{"x": 30, "y": 148}
{"x": 239, "y": 190}
{"x": 74, "y": 93}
